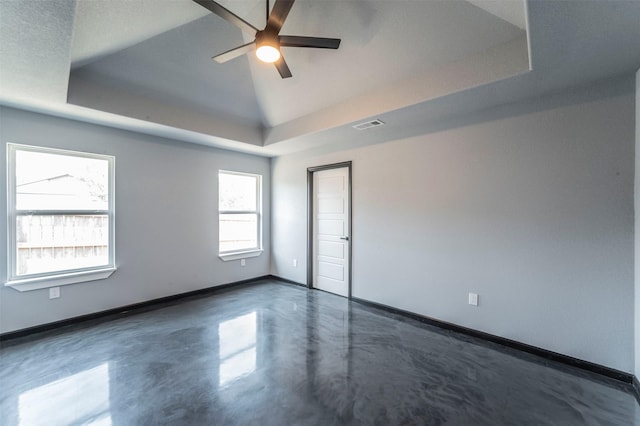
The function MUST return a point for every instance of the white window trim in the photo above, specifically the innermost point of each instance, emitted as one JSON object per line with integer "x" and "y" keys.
{"x": 56, "y": 278}
{"x": 47, "y": 281}
{"x": 227, "y": 256}
{"x": 244, "y": 253}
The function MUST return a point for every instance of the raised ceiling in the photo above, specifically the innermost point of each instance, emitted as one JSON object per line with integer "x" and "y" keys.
{"x": 145, "y": 65}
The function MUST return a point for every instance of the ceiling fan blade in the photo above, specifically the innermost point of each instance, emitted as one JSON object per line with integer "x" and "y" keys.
{"x": 317, "y": 42}
{"x": 234, "y": 53}
{"x": 282, "y": 67}
{"x": 227, "y": 15}
{"x": 278, "y": 15}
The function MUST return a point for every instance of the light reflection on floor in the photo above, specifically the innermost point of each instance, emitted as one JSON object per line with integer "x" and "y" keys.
{"x": 57, "y": 402}
{"x": 237, "y": 346}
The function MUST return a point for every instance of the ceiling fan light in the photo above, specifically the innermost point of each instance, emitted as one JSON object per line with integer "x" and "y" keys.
{"x": 267, "y": 53}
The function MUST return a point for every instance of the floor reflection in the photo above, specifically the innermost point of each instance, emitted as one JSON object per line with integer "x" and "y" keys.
{"x": 82, "y": 398}
{"x": 237, "y": 345}
{"x": 276, "y": 354}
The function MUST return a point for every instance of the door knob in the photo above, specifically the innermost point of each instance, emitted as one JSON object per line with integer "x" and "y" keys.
{"x": 344, "y": 238}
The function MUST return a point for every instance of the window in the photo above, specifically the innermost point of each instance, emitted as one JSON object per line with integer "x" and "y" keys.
{"x": 239, "y": 197}
{"x": 60, "y": 217}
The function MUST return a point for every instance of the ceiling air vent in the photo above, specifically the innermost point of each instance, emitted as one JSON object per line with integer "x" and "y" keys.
{"x": 368, "y": 124}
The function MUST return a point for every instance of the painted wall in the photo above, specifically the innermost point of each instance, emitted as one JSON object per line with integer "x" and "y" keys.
{"x": 528, "y": 205}
{"x": 166, "y": 218}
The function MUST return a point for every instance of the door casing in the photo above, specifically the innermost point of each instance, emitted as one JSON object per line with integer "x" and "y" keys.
{"x": 310, "y": 172}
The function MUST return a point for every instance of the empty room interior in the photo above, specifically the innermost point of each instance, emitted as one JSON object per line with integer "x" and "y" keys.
{"x": 319, "y": 212}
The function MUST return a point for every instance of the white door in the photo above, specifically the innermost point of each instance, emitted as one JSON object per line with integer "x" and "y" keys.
{"x": 331, "y": 230}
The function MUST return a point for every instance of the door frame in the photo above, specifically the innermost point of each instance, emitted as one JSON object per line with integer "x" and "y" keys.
{"x": 310, "y": 242}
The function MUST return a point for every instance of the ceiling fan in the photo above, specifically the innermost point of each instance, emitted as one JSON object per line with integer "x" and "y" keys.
{"x": 268, "y": 41}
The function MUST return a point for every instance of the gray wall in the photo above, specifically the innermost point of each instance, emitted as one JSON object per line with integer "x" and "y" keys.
{"x": 529, "y": 205}
{"x": 166, "y": 219}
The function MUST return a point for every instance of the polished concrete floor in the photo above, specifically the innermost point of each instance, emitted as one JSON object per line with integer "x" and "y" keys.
{"x": 277, "y": 354}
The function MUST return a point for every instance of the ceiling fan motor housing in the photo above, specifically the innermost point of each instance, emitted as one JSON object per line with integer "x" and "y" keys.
{"x": 266, "y": 37}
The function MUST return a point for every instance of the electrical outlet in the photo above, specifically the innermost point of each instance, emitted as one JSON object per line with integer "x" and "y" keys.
{"x": 54, "y": 292}
{"x": 473, "y": 299}
{"x": 243, "y": 262}
{"x": 295, "y": 263}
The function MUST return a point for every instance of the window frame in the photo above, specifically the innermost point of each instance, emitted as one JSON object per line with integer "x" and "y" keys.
{"x": 67, "y": 276}
{"x": 250, "y": 252}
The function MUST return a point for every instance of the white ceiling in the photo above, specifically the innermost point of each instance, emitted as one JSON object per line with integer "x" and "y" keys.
{"x": 105, "y": 27}
{"x": 145, "y": 65}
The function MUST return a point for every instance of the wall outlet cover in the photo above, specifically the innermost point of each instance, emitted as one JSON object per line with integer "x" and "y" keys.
{"x": 54, "y": 292}
{"x": 473, "y": 299}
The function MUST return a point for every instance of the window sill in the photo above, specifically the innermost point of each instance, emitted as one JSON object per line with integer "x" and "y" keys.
{"x": 37, "y": 283}
{"x": 240, "y": 255}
